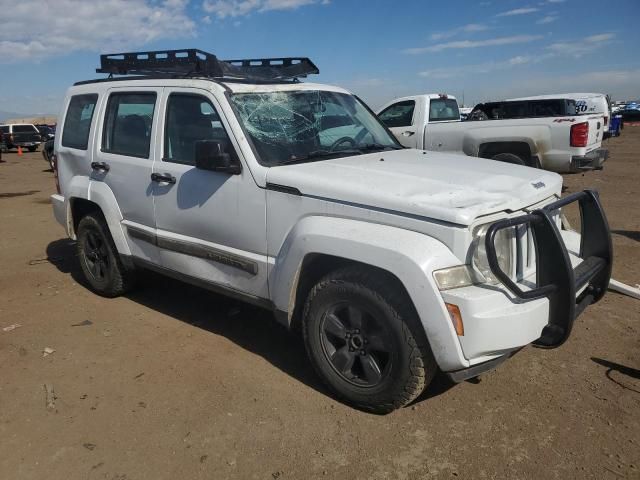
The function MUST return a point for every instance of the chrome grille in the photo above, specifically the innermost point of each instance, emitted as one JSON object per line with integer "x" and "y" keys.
{"x": 525, "y": 252}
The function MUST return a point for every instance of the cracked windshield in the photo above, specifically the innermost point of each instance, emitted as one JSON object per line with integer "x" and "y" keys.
{"x": 302, "y": 126}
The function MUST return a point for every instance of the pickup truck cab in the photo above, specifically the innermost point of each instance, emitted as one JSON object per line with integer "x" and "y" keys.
{"x": 393, "y": 262}
{"x": 23, "y": 135}
{"x": 567, "y": 143}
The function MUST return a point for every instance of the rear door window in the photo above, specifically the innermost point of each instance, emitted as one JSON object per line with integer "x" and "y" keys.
{"x": 127, "y": 125}
{"x": 4, "y": 129}
{"x": 399, "y": 114}
{"x": 75, "y": 133}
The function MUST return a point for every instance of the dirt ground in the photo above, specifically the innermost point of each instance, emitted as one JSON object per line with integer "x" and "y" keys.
{"x": 173, "y": 382}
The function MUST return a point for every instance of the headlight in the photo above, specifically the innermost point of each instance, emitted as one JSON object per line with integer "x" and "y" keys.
{"x": 480, "y": 272}
{"x": 456, "y": 277}
{"x": 504, "y": 241}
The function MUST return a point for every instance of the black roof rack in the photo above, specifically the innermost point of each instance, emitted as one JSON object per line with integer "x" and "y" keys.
{"x": 194, "y": 62}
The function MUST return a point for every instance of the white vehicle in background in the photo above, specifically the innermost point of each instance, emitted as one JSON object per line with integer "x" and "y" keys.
{"x": 586, "y": 104}
{"x": 464, "y": 112}
{"x": 524, "y": 133}
{"x": 293, "y": 196}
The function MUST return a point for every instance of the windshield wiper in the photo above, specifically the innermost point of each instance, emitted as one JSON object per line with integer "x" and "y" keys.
{"x": 318, "y": 155}
{"x": 324, "y": 154}
{"x": 370, "y": 147}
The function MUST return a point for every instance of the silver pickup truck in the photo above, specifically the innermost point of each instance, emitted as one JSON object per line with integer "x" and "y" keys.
{"x": 563, "y": 144}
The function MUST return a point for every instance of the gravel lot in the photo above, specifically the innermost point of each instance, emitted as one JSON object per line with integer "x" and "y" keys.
{"x": 173, "y": 382}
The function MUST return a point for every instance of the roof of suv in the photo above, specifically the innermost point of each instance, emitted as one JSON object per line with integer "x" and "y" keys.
{"x": 235, "y": 86}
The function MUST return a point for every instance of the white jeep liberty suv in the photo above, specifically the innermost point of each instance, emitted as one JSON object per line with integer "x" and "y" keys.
{"x": 394, "y": 263}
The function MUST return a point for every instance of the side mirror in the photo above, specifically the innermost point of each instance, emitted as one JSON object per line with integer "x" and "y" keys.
{"x": 210, "y": 155}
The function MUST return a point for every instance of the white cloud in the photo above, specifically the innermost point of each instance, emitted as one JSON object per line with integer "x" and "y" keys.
{"x": 491, "y": 42}
{"x": 470, "y": 28}
{"x": 577, "y": 49}
{"x": 465, "y": 70}
{"x": 237, "y": 8}
{"x": 65, "y": 26}
{"x": 547, "y": 19}
{"x": 600, "y": 38}
{"x": 518, "y": 11}
{"x": 581, "y": 47}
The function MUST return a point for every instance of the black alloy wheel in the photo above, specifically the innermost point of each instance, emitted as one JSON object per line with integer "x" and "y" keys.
{"x": 365, "y": 340}
{"x": 356, "y": 344}
{"x": 96, "y": 255}
{"x": 99, "y": 259}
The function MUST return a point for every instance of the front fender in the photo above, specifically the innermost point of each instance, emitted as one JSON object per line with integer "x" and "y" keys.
{"x": 410, "y": 256}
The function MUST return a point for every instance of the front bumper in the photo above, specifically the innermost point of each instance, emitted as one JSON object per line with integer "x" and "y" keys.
{"x": 572, "y": 271}
{"x": 471, "y": 372}
{"x": 568, "y": 290}
{"x": 591, "y": 161}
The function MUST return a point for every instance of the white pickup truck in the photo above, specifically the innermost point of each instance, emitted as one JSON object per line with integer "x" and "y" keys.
{"x": 563, "y": 143}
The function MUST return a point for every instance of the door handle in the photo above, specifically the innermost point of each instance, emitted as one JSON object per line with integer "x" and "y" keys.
{"x": 163, "y": 178}
{"x": 407, "y": 133}
{"x": 100, "y": 166}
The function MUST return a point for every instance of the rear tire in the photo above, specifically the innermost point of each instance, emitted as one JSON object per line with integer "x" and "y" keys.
{"x": 509, "y": 158}
{"x": 32, "y": 149}
{"x": 99, "y": 259}
{"x": 365, "y": 340}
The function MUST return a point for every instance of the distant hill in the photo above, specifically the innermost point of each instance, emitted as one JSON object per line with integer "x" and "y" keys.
{"x": 7, "y": 115}
{"x": 13, "y": 117}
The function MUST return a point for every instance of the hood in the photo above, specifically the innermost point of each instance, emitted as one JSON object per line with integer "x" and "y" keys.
{"x": 447, "y": 187}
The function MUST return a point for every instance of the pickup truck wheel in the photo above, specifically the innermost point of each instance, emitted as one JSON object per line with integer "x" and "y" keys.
{"x": 99, "y": 259}
{"x": 366, "y": 341}
{"x": 509, "y": 158}
{"x": 32, "y": 149}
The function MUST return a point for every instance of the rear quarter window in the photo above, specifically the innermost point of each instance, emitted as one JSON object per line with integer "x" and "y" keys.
{"x": 77, "y": 123}
{"x": 4, "y": 129}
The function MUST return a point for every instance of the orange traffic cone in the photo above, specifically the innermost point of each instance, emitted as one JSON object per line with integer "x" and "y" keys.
{"x": 19, "y": 151}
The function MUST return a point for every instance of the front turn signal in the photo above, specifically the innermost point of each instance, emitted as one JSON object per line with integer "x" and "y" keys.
{"x": 456, "y": 318}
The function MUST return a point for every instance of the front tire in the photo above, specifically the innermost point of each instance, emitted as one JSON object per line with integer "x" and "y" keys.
{"x": 32, "y": 149}
{"x": 365, "y": 340}
{"x": 99, "y": 259}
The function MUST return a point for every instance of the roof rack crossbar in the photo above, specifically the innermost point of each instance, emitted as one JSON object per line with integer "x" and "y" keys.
{"x": 199, "y": 63}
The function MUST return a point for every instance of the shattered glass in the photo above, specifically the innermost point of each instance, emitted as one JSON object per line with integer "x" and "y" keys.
{"x": 287, "y": 126}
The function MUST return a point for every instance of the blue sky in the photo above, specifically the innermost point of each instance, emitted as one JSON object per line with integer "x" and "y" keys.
{"x": 379, "y": 49}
